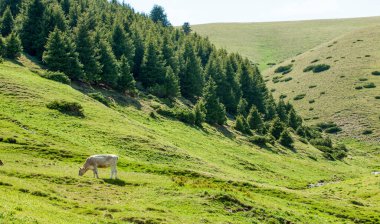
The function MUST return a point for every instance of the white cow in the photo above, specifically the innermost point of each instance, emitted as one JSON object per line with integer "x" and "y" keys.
{"x": 100, "y": 161}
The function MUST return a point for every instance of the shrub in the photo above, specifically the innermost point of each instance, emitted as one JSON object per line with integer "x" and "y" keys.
{"x": 99, "y": 97}
{"x": 323, "y": 93}
{"x": 284, "y": 69}
{"x": 367, "y": 132}
{"x": 69, "y": 108}
{"x": 10, "y": 140}
{"x": 286, "y": 140}
{"x": 363, "y": 79}
{"x": 377, "y": 97}
{"x": 312, "y": 86}
{"x": 283, "y": 96}
{"x": 377, "y": 73}
{"x": 58, "y": 77}
{"x": 316, "y": 60}
{"x": 311, "y": 101}
{"x": 325, "y": 142}
{"x": 13, "y": 46}
{"x": 299, "y": 97}
{"x": 333, "y": 130}
{"x": 309, "y": 68}
{"x": 321, "y": 68}
{"x": 242, "y": 125}
{"x": 369, "y": 85}
{"x": 329, "y": 127}
{"x": 185, "y": 115}
{"x": 358, "y": 87}
{"x": 329, "y": 57}
{"x": 288, "y": 79}
{"x": 259, "y": 140}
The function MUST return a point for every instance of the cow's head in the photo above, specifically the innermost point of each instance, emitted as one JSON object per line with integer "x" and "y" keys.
{"x": 82, "y": 171}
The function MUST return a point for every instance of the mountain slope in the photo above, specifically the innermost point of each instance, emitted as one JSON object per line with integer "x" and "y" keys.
{"x": 169, "y": 172}
{"x": 274, "y": 42}
{"x": 334, "y": 95}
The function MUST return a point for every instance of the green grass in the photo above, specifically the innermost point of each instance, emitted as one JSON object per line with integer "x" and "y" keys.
{"x": 273, "y": 42}
{"x": 349, "y": 86}
{"x": 169, "y": 172}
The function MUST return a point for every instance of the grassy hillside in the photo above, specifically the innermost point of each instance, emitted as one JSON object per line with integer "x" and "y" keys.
{"x": 274, "y": 42}
{"x": 343, "y": 93}
{"x": 169, "y": 172}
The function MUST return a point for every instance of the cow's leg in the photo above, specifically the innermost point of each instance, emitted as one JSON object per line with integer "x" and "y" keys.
{"x": 96, "y": 172}
{"x": 115, "y": 171}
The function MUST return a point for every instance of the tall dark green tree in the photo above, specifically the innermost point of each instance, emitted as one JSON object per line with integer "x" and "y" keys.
{"x": 109, "y": 64}
{"x": 242, "y": 108}
{"x": 186, "y": 28}
{"x": 60, "y": 55}
{"x": 158, "y": 15}
{"x": 294, "y": 121}
{"x": 7, "y": 22}
{"x": 171, "y": 83}
{"x": 242, "y": 125}
{"x": 122, "y": 44}
{"x": 153, "y": 69}
{"x": 55, "y": 18}
{"x": 33, "y": 32}
{"x": 88, "y": 53}
{"x": 200, "y": 113}
{"x": 281, "y": 111}
{"x": 232, "y": 92}
{"x": 191, "y": 77}
{"x": 277, "y": 127}
{"x": 286, "y": 139}
{"x": 126, "y": 82}
{"x": 13, "y": 46}
{"x": 215, "y": 111}
{"x": 65, "y": 4}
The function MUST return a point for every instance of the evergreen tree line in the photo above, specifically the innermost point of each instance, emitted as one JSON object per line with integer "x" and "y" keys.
{"x": 101, "y": 42}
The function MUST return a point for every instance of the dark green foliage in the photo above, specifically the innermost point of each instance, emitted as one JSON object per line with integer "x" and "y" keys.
{"x": 282, "y": 111}
{"x": 309, "y": 68}
{"x": 376, "y": 73}
{"x": 153, "y": 70}
{"x": 69, "y": 108}
{"x": 329, "y": 127}
{"x": 172, "y": 88}
{"x": 299, "y": 97}
{"x": 255, "y": 120}
{"x": 215, "y": 111}
{"x": 158, "y": 15}
{"x": 377, "y": 97}
{"x": 286, "y": 139}
{"x": 10, "y": 140}
{"x": 367, "y": 132}
{"x": 242, "y": 125}
{"x": 200, "y": 113}
{"x": 277, "y": 127}
{"x": 284, "y": 69}
{"x": 99, "y": 97}
{"x": 13, "y": 46}
{"x": 55, "y": 18}
{"x": 311, "y": 101}
{"x": 126, "y": 82}
{"x": 58, "y": 77}
{"x": 326, "y": 142}
{"x": 33, "y": 32}
{"x": 294, "y": 121}
{"x": 363, "y": 79}
{"x": 259, "y": 140}
{"x": 60, "y": 55}
{"x": 7, "y": 22}
{"x": 2, "y": 47}
{"x": 242, "y": 108}
{"x": 333, "y": 130}
{"x": 338, "y": 152}
{"x": 312, "y": 86}
{"x": 314, "y": 61}
{"x": 185, "y": 115}
{"x": 358, "y": 87}
{"x": 87, "y": 51}
{"x": 186, "y": 28}
{"x": 321, "y": 68}
{"x": 108, "y": 60}
{"x": 369, "y": 85}
{"x": 122, "y": 44}
{"x": 288, "y": 79}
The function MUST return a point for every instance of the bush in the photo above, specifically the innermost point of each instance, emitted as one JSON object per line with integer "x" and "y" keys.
{"x": 58, "y": 77}
{"x": 363, "y": 79}
{"x": 283, "y": 96}
{"x": 316, "y": 60}
{"x": 333, "y": 130}
{"x": 259, "y": 140}
{"x": 321, "y": 68}
{"x": 377, "y": 97}
{"x": 242, "y": 125}
{"x": 99, "y": 97}
{"x": 299, "y": 97}
{"x": 69, "y": 108}
{"x": 286, "y": 140}
{"x": 13, "y": 46}
{"x": 312, "y": 86}
{"x": 284, "y": 69}
{"x": 358, "y": 87}
{"x": 367, "y": 132}
{"x": 311, "y": 101}
{"x": 309, "y": 68}
{"x": 10, "y": 140}
{"x": 184, "y": 115}
{"x": 369, "y": 85}
{"x": 325, "y": 142}
{"x": 288, "y": 79}
{"x": 377, "y": 73}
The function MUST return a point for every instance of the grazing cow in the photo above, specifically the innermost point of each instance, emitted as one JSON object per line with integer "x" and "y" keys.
{"x": 1, "y": 163}
{"x": 100, "y": 161}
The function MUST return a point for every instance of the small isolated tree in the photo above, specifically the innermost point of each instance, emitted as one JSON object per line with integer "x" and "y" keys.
{"x": 126, "y": 82}
{"x": 254, "y": 120}
{"x": 186, "y": 28}
{"x": 13, "y": 46}
{"x": 171, "y": 83}
{"x": 242, "y": 125}
{"x": 215, "y": 111}
{"x": 276, "y": 128}
{"x": 7, "y": 22}
{"x": 200, "y": 113}
{"x": 286, "y": 139}
{"x": 158, "y": 15}
{"x": 242, "y": 107}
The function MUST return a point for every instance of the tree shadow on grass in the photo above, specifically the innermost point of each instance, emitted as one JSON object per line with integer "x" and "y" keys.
{"x": 116, "y": 182}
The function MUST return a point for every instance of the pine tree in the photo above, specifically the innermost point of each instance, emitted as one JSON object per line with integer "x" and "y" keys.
{"x": 13, "y": 46}
{"x": 122, "y": 44}
{"x": 152, "y": 69}
{"x": 87, "y": 53}
{"x": 65, "y": 4}
{"x": 168, "y": 53}
{"x": 33, "y": 32}
{"x": 7, "y": 22}
{"x": 186, "y": 28}
{"x": 215, "y": 111}
{"x": 171, "y": 84}
{"x": 254, "y": 120}
{"x": 233, "y": 92}
{"x": 286, "y": 139}
{"x": 242, "y": 125}
{"x": 56, "y": 18}
{"x": 281, "y": 111}
{"x": 126, "y": 82}
{"x": 191, "y": 77}
{"x": 60, "y": 55}
{"x": 109, "y": 64}
{"x": 158, "y": 15}
{"x": 2, "y": 48}
{"x": 276, "y": 128}
{"x": 294, "y": 121}
{"x": 242, "y": 107}
{"x": 200, "y": 113}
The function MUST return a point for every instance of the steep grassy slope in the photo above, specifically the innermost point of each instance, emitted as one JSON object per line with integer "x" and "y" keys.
{"x": 274, "y": 42}
{"x": 338, "y": 94}
{"x": 169, "y": 172}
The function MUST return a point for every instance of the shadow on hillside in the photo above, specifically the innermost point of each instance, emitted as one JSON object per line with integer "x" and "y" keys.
{"x": 222, "y": 129}
{"x": 116, "y": 182}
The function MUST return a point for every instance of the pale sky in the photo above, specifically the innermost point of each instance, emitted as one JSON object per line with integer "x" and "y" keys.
{"x": 212, "y": 11}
